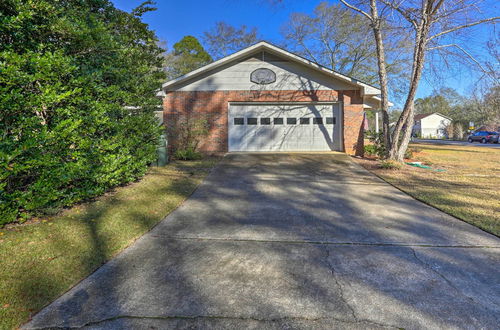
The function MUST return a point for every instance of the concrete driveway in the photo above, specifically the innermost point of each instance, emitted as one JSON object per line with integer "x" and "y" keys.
{"x": 273, "y": 241}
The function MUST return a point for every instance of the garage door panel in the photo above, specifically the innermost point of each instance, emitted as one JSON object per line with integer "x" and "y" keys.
{"x": 264, "y": 137}
{"x": 289, "y": 140}
{"x": 279, "y": 127}
{"x": 323, "y": 137}
{"x": 237, "y": 133}
{"x": 278, "y": 138}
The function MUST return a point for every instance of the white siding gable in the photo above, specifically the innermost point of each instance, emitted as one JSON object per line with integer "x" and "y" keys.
{"x": 434, "y": 125}
{"x": 289, "y": 76}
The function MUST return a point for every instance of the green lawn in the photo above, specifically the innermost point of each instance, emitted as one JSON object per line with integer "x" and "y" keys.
{"x": 468, "y": 188}
{"x": 41, "y": 260}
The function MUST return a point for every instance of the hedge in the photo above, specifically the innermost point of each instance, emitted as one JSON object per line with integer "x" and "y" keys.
{"x": 68, "y": 72}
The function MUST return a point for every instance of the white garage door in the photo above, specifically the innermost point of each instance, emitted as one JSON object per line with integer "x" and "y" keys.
{"x": 284, "y": 127}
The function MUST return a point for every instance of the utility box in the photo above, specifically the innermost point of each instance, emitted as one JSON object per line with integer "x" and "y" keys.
{"x": 162, "y": 151}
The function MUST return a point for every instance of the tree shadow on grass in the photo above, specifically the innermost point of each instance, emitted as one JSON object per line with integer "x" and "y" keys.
{"x": 77, "y": 244}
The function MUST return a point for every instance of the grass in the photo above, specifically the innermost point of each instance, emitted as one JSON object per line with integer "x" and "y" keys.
{"x": 468, "y": 188}
{"x": 41, "y": 260}
{"x": 390, "y": 165}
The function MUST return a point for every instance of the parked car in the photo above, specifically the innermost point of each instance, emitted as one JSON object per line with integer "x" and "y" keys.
{"x": 484, "y": 137}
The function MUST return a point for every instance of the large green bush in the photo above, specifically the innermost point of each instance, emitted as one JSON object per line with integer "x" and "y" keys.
{"x": 69, "y": 73}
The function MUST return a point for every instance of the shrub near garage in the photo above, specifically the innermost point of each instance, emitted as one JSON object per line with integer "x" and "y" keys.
{"x": 68, "y": 69}
{"x": 390, "y": 165}
{"x": 370, "y": 150}
{"x": 189, "y": 132}
{"x": 377, "y": 147}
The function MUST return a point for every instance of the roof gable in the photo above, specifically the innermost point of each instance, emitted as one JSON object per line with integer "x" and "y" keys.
{"x": 425, "y": 115}
{"x": 278, "y": 55}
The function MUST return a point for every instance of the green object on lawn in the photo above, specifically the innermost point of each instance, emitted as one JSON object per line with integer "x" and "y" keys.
{"x": 418, "y": 164}
{"x": 415, "y": 164}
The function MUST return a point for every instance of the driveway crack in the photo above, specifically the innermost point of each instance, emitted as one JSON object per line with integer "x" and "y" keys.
{"x": 344, "y": 300}
{"x": 324, "y": 242}
{"x": 339, "y": 286}
{"x": 450, "y": 283}
{"x": 210, "y": 317}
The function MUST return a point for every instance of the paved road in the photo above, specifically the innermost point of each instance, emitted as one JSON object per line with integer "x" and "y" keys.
{"x": 459, "y": 143}
{"x": 273, "y": 241}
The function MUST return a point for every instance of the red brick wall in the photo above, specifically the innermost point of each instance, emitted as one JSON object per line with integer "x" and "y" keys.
{"x": 178, "y": 106}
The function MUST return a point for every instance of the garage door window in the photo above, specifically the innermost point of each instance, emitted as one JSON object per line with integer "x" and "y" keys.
{"x": 251, "y": 121}
{"x": 304, "y": 121}
{"x": 278, "y": 121}
{"x": 239, "y": 121}
{"x": 291, "y": 121}
{"x": 330, "y": 121}
{"x": 265, "y": 121}
{"x": 318, "y": 121}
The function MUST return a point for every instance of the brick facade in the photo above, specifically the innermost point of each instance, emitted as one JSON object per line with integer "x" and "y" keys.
{"x": 179, "y": 106}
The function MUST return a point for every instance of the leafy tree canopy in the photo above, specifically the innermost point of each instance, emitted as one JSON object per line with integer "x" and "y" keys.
{"x": 482, "y": 110}
{"x": 70, "y": 72}
{"x": 445, "y": 101}
{"x": 188, "y": 55}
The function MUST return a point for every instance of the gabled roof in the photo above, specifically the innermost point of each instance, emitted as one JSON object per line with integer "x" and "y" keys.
{"x": 365, "y": 88}
{"x": 424, "y": 115}
{"x": 421, "y": 116}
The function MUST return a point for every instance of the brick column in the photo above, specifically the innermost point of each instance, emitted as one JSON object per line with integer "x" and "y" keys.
{"x": 353, "y": 123}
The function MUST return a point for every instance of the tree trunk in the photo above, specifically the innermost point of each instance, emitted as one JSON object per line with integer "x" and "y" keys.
{"x": 406, "y": 120}
{"x": 382, "y": 73}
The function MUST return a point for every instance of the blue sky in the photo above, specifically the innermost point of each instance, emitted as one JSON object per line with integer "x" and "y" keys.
{"x": 175, "y": 19}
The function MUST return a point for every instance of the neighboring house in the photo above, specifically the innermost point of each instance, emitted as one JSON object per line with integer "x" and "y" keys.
{"x": 264, "y": 98}
{"x": 431, "y": 125}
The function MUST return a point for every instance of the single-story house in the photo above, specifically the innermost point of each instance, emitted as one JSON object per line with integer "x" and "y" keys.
{"x": 431, "y": 125}
{"x": 264, "y": 98}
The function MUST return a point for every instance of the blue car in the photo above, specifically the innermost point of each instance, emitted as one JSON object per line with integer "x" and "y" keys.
{"x": 484, "y": 137}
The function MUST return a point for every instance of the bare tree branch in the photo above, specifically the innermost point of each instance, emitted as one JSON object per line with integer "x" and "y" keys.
{"x": 469, "y": 55}
{"x": 309, "y": 53}
{"x": 357, "y": 9}
{"x": 403, "y": 12}
{"x": 491, "y": 19}
{"x": 436, "y": 8}
{"x": 457, "y": 10}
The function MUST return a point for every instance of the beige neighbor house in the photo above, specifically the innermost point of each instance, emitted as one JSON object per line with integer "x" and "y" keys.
{"x": 264, "y": 98}
{"x": 431, "y": 126}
